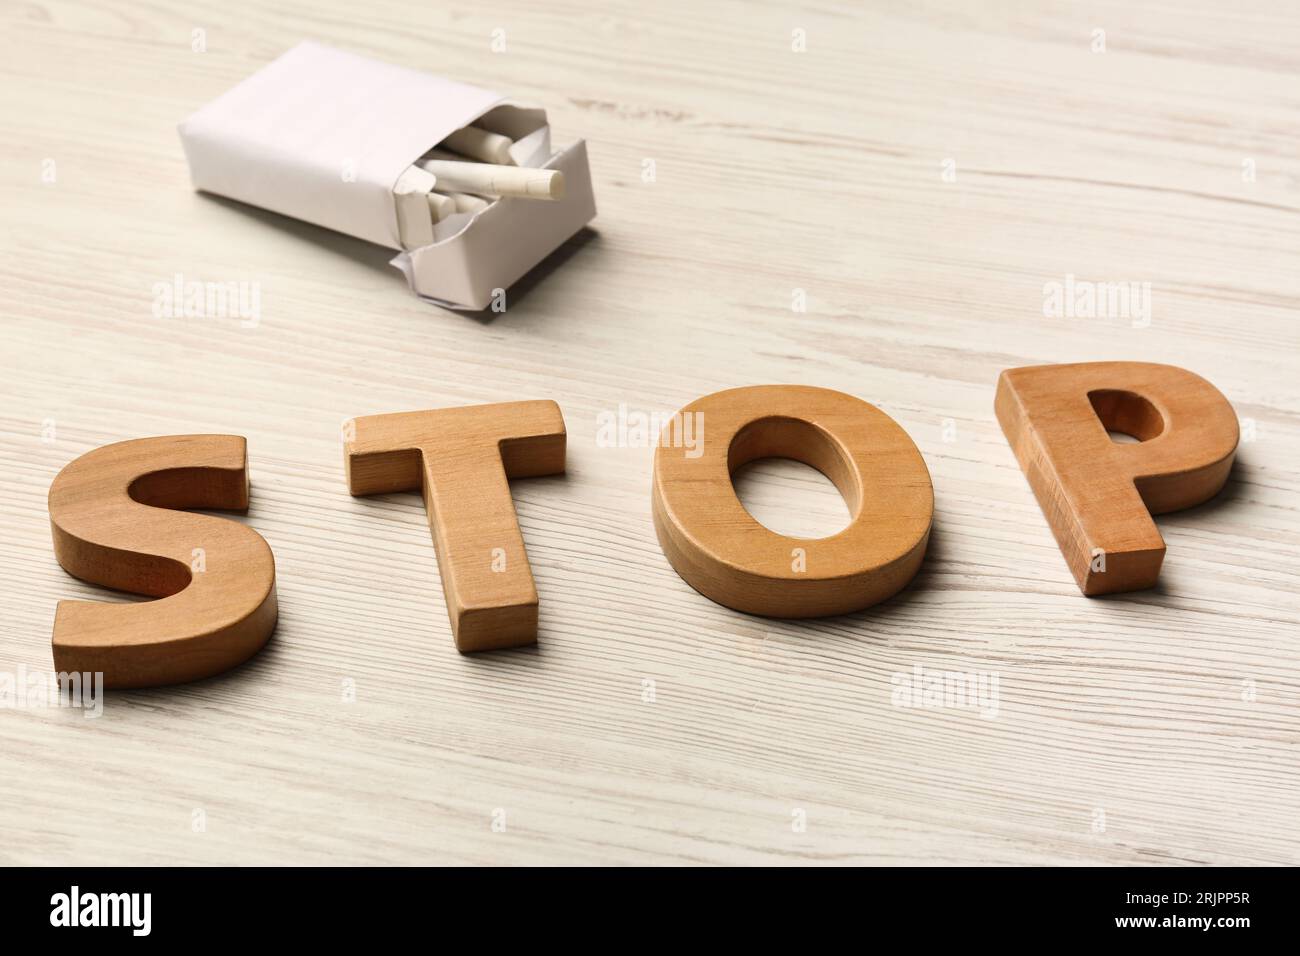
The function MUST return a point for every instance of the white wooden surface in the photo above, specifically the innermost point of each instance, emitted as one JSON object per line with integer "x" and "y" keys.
{"x": 1127, "y": 730}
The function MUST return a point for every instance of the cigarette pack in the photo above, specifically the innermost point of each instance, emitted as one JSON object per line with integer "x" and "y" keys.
{"x": 323, "y": 135}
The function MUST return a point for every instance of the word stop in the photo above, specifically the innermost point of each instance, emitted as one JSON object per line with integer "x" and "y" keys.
{"x": 115, "y": 518}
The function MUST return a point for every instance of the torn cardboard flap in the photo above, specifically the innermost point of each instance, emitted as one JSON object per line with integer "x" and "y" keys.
{"x": 468, "y": 269}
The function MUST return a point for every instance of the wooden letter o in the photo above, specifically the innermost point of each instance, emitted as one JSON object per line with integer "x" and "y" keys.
{"x": 724, "y": 553}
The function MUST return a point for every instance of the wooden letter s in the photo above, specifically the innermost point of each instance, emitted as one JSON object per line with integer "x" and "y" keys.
{"x": 111, "y": 517}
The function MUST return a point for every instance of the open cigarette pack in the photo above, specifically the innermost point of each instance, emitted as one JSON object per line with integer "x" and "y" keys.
{"x": 460, "y": 180}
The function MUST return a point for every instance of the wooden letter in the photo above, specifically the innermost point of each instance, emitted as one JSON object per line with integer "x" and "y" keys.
{"x": 1099, "y": 495}
{"x": 112, "y": 525}
{"x": 462, "y": 458}
{"x": 722, "y": 552}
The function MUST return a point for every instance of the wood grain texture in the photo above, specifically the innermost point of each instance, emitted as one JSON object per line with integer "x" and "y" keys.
{"x": 650, "y": 725}
{"x": 1099, "y": 495}
{"x": 461, "y": 460}
{"x": 113, "y": 523}
{"x": 723, "y": 552}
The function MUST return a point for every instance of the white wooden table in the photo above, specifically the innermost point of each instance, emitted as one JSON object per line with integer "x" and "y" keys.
{"x": 920, "y": 176}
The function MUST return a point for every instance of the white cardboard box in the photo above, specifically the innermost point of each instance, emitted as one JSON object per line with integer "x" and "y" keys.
{"x": 322, "y": 135}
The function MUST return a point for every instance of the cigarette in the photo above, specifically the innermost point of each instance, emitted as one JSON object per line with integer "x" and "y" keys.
{"x": 481, "y": 145}
{"x": 440, "y": 206}
{"x": 523, "y": 182}
{"x": 465, "y": 202}
{"x": 414, "y": 220}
